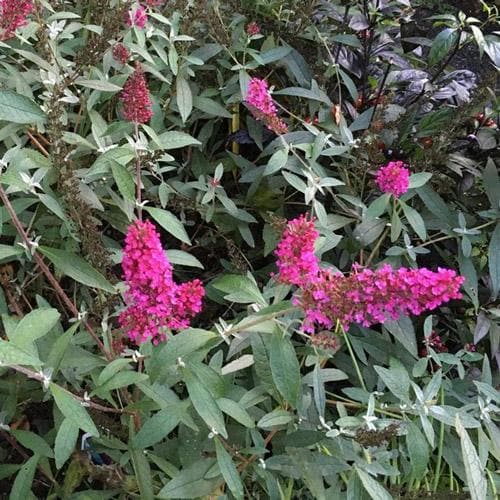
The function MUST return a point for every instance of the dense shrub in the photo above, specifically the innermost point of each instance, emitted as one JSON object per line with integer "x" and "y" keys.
{"x": 249, "y": 249}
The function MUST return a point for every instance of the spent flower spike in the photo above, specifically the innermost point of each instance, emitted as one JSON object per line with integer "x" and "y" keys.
{"x": 13, "y": 15}
{"x": 154, "y": 301}
{"x": 262, "y": 106}
{"x": 137, "y": 106}
{"x": 364, "y": 296}
{"x": 393, "y": 178}
{"x": 120, "y": 53}
{"x": 252, "y": 29}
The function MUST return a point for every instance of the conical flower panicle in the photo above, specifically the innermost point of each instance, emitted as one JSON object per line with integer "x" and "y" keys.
{"x": 137, "y": 106}
{"x": 155, "y": 302}
{"x": 365, "y": 296}
{"x": 13, "y": 15}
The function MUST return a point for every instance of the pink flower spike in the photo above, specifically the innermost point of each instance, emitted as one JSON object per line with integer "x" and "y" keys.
{"x": 136, "y": 17}
{"x": 155, "y": 303}
{"x": 262, "y": 106}
{"x": 365, "y": 296}
{"x": 13, "y": 15}
{"x": 137, "y": 106}
{"x": 296, "y": 262}
{"x": 393, "y": 178}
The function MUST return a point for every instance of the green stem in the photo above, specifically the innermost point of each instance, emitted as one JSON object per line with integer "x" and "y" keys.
{"x": 353, "y": 357}
{"x": 437, "y": 472}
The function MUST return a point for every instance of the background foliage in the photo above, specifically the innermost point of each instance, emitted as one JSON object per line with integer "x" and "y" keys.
{"x": 244, "y": 404}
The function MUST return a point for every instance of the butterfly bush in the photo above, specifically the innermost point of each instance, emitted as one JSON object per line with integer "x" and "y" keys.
{"x": 155, "y": 302}
{"x": 393, "y": 178}
{"x": 137, "y": 106}
{"x": 13, "y": 15}
{"x": 262, "y": 106}
{"x": 364, "y": 296}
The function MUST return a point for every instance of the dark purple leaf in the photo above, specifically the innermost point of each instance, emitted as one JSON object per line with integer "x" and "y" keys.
{"x": 359, "y": 22}
{"x": 349, "y": 60}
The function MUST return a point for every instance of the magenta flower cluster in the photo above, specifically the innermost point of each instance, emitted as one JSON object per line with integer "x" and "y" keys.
{"x": 137, "y": 106}
{"x": 155, "y": 302}
{"x": 136, "y": 17}
{"x": 393, "y": 178}
{"x": 365, "y": 296}
{"x": 262, "y": 106}
{"x": 13, "y": 15}
{"x": 295, "y": 252}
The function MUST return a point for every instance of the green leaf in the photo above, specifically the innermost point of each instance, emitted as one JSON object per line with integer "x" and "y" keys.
{"x": 179, "y": 346}
{"x": 415, "y": 220}
{"x": 204, "y": 403}
{"x": 34, "y": 325}
{"x": 75, "y": 267}
{"x": 184, "y": 98}
{"x": 59, "y": 347}
{"x": 494, "y": 262}
{"x": 442, "y": 44}
{"x": 274, "y": 418}
{"x": 7, "y": 252}
{"x": 175, "y": 140}
{"x": 181, "y": 258}
{"x": 491, "y": 181}
{"x": 436, "y": 205}
{"x": 418, "y": 451}
{"x": 276, "y": 162}
{"x": 403, "y": 332}
{"x": 65, "y": 442}
{"x": 476, "y": 480}
{"x": 236, "y": 411}
{"x": 191, "y": 482}
{"x": 17, "y": 108}
{"x": 396, "y": 379}
{"x": 121, "y": 379}
{"x": 101, "y": 85}
{"x": 142, "y": 472}
{"x": 170, "y": 223}
{"x": 10, "y": 354}
{"x": 112, "y": 368}
{"x": 373, "y": 488}
{"x": 21, "y": 489}
{"x": 239, "y": 288}
{"x": 73, "y": 410}
{"x": 124, "y": 180}
{"x": 210, "y": 107}
{"x": 285, "y": 367}
{"x": 33, "y": 442}
{"x": 368, "y": 231}
{"x": 157, "y": 427}
{"x": 228, "y": 470}
{"x": 419, "y": 179}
